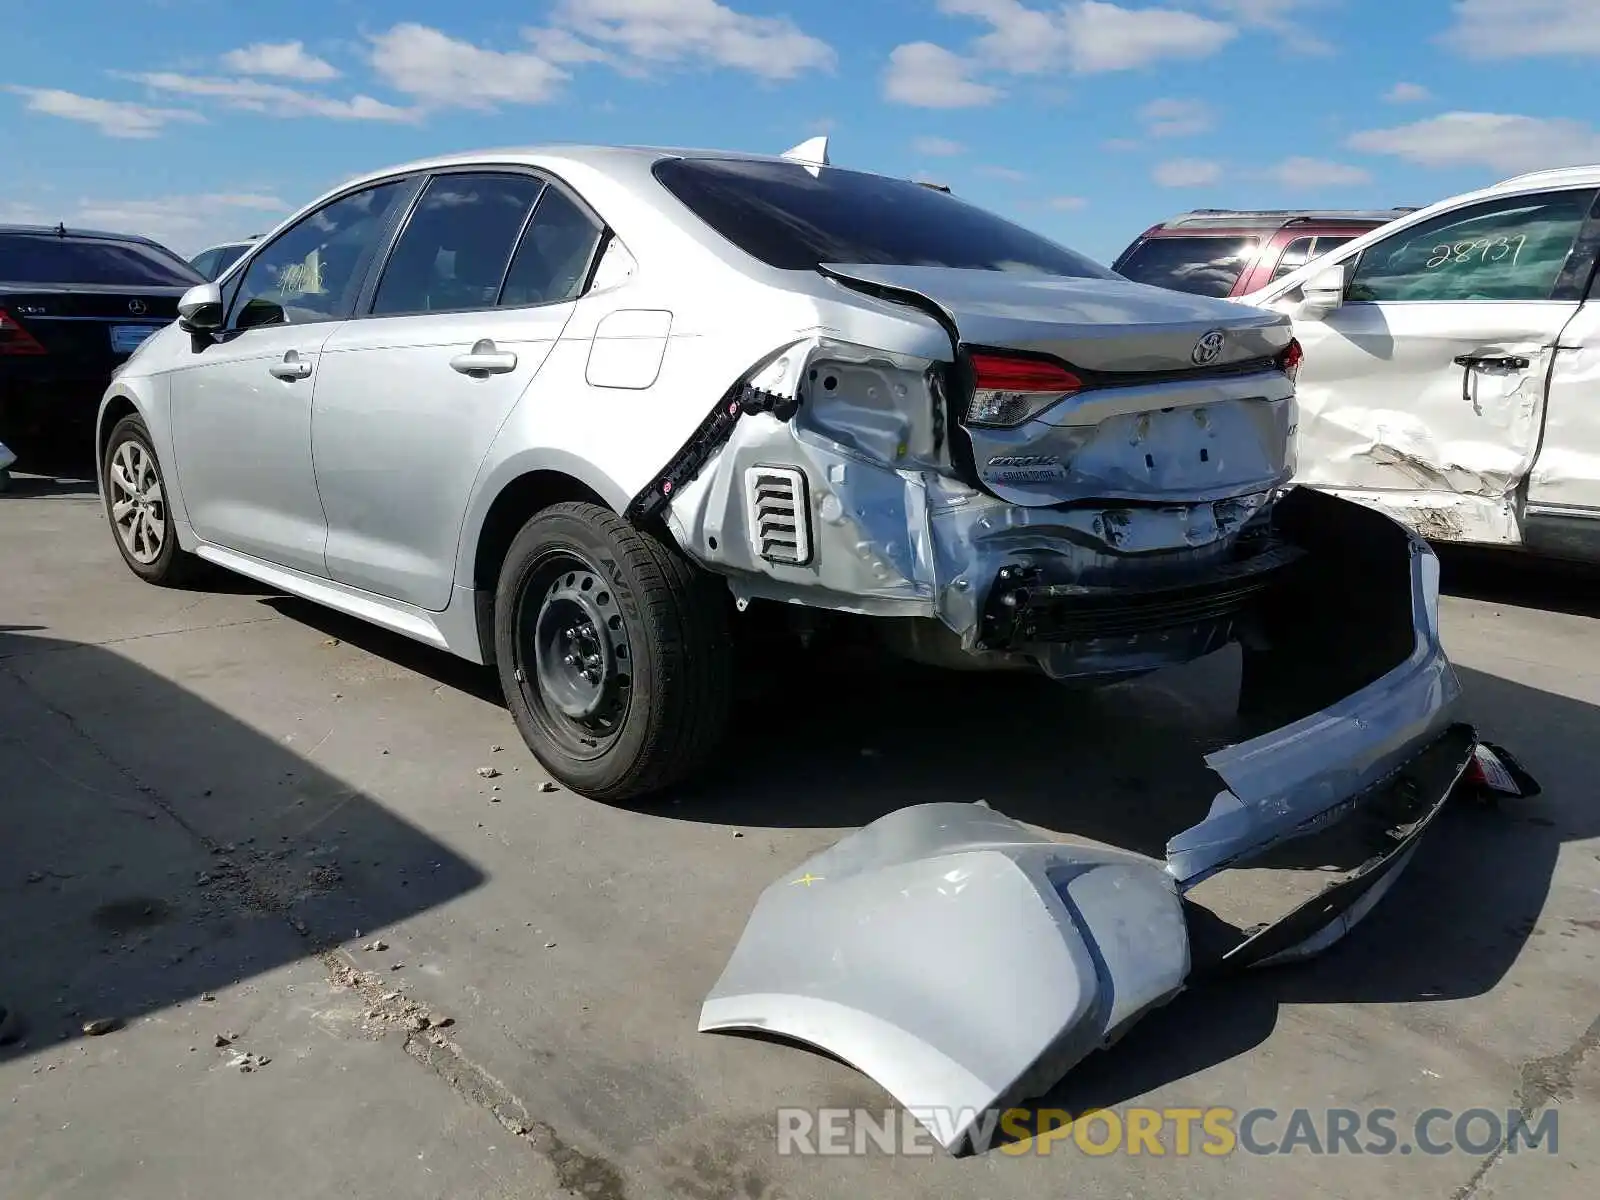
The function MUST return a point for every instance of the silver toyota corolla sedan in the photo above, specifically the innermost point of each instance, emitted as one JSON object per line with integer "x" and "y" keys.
{"x": 573, "y": 411}
{"x": 590, "y": 415}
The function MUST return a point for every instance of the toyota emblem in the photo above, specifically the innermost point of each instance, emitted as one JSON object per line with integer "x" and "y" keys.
{"x": 1208, "y": 349}
{"x": 136, "y": 307}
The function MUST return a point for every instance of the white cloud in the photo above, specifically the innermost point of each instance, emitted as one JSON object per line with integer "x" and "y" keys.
{"x": 1487, "y": 29}
{"x": 1310, "y": 174}
{"x": 1080, "y": 37}
{"x": 272, "y": 99}
{"x": 1176, "y": 118}
{"x": 628, "y": 36}
{"x": 927, "y": 76}
{"x": 114, "y": 118}
{"x": 447, "y": 72}
{"x": 1187, "y": 172}
{"x": 1501, "y": 142}
{"x": 1407, "y": 93}
{"x": 1067, "y": 203}
{"x": 1281, "y": 17}
{"x": 1123, "y": 145}
{"x": 1009, "y": 174}
{"x": 937, "y": 147}
{"x": 285, "y": 60}
{"x": 697, "y": 31}
{"x": 184, "y": 223}
{"x": 1087, "y": 37}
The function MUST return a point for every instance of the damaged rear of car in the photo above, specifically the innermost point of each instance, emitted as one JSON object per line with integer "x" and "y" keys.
{"x": 1091, "y": 482}
{"x": 1033, "y": 464}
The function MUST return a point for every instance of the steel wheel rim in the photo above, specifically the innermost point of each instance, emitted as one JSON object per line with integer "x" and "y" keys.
{"x": 138, "y": 503}
{"x": 573, "y": 657}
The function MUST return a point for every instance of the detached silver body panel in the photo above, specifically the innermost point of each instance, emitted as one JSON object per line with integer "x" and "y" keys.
{"x": 967, "y": 962}
{"x": 959, "y": 959}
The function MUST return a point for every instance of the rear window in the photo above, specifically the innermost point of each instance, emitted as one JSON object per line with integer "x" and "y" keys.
{"x": 46, "y": 258}
{"x": 789, "y": 218}
{"x": 1203, "y": 266}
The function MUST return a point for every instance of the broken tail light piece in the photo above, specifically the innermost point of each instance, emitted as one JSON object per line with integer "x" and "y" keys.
{"x": 1010, "y": 389}
{"x": 1289, "y": 361}
{"x": 1494, "y": 774}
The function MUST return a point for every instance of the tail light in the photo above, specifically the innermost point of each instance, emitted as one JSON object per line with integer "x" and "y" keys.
{"x": 14, "y": 339}
{"x": 1007, "y": 390}
{"x": 1289, "y": 360}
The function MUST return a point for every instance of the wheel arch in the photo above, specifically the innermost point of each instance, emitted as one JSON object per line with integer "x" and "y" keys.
{"x": 116, "y": 405}
{"x": 514, "y": 492}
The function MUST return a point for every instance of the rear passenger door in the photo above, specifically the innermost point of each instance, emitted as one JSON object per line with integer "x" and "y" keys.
{"x": 476, "y": 290}
{"x": 1426, "y": 388}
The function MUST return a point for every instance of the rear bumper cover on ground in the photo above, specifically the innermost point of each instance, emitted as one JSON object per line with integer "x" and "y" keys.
{"x": 967, "y": 962}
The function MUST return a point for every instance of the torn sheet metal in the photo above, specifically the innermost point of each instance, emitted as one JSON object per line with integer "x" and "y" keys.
{"x": 956, "y": 957}
{"x": 1447, "y": 516}
{"x": 891, "y": 533}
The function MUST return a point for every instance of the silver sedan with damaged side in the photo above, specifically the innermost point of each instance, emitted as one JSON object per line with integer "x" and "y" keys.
{"x": 586, "y": 414}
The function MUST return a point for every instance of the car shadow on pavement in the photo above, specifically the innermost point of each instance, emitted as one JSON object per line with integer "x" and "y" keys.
{"x": 123, "y": 902}
{"x": 1520, "y": 580}
{"x": 22, "y": 486}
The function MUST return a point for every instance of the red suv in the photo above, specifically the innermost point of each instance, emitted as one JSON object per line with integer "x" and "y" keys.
{"x": 1220, "y": 252}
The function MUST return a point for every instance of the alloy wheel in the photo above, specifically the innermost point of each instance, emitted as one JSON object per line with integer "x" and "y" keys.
{"x": 138, "y": 505}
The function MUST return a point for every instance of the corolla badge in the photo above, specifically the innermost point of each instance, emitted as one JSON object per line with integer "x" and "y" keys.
{"x": 136, "y": 307}
{"x": 1208, "y": 349}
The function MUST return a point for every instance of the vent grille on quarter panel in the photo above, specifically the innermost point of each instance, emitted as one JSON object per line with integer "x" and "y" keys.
{"x": 780, "y": 519}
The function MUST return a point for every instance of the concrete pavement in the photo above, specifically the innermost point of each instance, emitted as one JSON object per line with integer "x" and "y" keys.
{"x": 230, "y": 794}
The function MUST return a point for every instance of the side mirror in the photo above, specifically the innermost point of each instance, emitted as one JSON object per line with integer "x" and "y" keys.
{"x": 200, "y": 310}
{"x": 1324, "y": 291}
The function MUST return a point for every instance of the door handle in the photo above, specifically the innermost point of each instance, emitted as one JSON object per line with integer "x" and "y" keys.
{"x": 484, "y": 359}
{"x": 1511, "y": 362}
{"x": 291, "y": 368}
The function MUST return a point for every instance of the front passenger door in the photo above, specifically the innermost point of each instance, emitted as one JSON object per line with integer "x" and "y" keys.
{"x": 478, "y": 288}
{"x": 241, "y": 405}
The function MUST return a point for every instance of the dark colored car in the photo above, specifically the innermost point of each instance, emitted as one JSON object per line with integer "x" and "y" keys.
{"x": 74, "y": 305}
{"x": 1218, "y": 252}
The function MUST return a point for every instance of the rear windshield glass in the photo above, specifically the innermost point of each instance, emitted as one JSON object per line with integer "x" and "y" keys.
{"x": 789, "y": 218}
{"x": 1203, "y": 266}
{"x": 46, "y": 258}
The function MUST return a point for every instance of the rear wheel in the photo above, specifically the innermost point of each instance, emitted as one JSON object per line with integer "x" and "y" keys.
{"x": 136, "y": 504}
{"x": 614, "y": 653}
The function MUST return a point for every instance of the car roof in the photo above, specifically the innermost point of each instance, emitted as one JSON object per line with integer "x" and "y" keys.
{"x": 1586, "y": 176}
{"x": 556, "y": 154}
{"x": 1221, "y": 220}
{"x": 66, "y": 231}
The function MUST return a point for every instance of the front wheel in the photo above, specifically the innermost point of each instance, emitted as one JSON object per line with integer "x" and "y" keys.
{"x": 614, "y": 652}
{"x": 136, "y": 504}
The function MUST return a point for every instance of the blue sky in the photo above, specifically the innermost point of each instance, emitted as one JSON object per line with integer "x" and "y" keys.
{"x": 198, "y": 120}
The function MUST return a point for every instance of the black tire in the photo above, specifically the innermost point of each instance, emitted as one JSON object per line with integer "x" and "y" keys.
{"x": 657, "y": 630}
{"x": 171, "y": 566}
